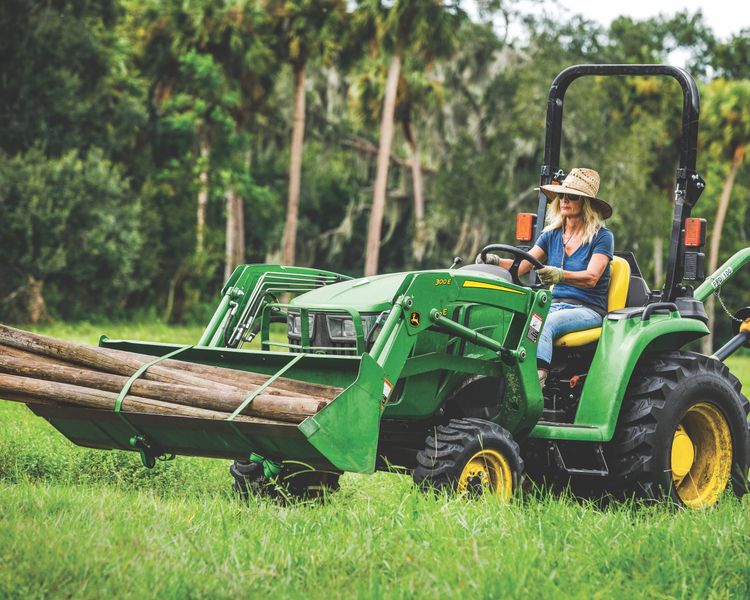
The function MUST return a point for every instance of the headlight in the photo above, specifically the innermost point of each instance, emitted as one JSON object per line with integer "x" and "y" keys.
{"x": 294, "y": 324}
{"x": 341, "y": 327}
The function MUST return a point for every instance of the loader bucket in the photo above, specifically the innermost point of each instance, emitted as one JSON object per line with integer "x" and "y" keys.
{"x": 343, "y": 435}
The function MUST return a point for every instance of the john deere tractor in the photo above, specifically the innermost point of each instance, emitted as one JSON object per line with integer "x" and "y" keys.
{"x": 438, "y": 368}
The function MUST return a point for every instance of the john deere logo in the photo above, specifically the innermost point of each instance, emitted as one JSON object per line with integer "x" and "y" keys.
{"x": 415, "y": 319}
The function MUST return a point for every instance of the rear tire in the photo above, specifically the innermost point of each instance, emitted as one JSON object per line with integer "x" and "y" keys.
{"x": 472, "y": 457}
{"x": 682, "y": 432}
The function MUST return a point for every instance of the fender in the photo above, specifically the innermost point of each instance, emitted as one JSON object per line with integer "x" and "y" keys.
{"x": 621, "y": 345}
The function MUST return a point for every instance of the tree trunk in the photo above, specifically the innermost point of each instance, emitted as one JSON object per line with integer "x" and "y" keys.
{"x": 35, "y": 305}
{"x": 200, "y": 227}
{"x": 239, "y": 233}
{"x": 372, "y": 251}
{"x": 295, "y": 167}
{"x": 420, "y": 241}
{"x": 229, "y": 234}
{"x": 658, "y": 262}
{"x": 713, "y": 254}
{"x": 234, "y": 249}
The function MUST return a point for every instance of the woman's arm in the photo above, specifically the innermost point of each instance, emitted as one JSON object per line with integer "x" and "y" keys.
{"x": 590, "y": 277}
{"x": 525, "y": 266}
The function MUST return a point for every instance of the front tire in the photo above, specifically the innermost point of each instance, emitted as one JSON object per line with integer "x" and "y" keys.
{"x": 471, "y": 457}
{"x": 295, "y": 481}
{"x": 682, "y": 431}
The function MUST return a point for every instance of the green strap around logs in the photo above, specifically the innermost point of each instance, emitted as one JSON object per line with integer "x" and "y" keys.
{"x": 257, "y": 392}
{"x": 270, "y": 467}
{"x": 126, "y": 388}
{"x": 139, "y": 441}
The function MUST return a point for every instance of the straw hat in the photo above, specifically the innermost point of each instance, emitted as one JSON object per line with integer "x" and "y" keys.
{"x": 581, "y": 182}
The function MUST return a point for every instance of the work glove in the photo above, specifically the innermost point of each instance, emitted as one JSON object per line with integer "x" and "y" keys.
{"x": 550, "y": 275}
{"x": 490, "y": 259}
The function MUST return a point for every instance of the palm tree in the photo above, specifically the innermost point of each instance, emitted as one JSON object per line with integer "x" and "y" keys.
{"x": 304, "y": 30}
{"x": 420, "y": 28}
{"x": 230, "y": 48}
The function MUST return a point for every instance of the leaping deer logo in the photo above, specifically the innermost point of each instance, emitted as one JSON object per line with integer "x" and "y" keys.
{"x": 415, "y": 319}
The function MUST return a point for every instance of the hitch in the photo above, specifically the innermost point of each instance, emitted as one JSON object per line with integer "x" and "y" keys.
{"x": 741, "y": 326}
{"x": 149, "y": 452}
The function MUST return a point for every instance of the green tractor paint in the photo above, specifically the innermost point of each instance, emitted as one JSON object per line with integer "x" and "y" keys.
{"x": 438, "y": 370}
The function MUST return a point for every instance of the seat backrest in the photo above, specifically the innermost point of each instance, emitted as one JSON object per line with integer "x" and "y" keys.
{"x": 619, "y": 282}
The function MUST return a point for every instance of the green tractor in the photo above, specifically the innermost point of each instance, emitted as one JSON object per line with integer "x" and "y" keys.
{"x": 439, "y": 377}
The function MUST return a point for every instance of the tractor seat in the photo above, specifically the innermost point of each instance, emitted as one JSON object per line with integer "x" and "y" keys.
{"x": 619, "y": 281}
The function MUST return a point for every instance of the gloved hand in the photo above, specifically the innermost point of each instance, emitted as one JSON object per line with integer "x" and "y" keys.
{"x": 550, "y": 275}
{"x": 491, "y": 259}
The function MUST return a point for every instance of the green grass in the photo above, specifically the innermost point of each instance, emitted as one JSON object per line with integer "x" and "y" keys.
{"x": 92, "y": 524}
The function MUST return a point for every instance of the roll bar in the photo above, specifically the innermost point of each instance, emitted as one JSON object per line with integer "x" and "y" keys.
{"x": 690, "y": 184}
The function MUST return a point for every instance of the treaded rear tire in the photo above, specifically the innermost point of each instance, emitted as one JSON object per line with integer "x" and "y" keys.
{"x": 663, "y": 388}
{"x": 450, "y": 448}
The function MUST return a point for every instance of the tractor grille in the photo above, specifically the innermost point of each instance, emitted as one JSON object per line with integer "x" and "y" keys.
{"x": 321, "y": 339}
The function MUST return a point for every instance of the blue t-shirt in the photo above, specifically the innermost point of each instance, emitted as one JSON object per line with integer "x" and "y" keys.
{"x": 603, "y": 243}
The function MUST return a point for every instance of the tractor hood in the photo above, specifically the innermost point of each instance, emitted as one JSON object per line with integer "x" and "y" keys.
{"x": 368, "y": 294}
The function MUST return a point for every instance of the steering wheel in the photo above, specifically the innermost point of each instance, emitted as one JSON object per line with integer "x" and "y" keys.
{"x": 518, "y": 256}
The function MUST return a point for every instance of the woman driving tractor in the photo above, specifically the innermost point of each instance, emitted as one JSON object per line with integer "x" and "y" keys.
{"x": 576, "y": 248}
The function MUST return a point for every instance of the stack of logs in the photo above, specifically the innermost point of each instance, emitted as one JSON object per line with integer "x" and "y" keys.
{"x": 38, "y": 369}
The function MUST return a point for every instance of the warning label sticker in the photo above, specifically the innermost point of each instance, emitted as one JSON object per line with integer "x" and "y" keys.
{"x": 535, "y": 326}
{"x": 387, "y": 389}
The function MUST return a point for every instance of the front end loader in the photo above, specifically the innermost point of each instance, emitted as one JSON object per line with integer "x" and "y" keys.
{"x": 437, "y": 369}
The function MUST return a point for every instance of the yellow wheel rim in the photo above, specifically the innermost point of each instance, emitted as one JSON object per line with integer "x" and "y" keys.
{"x": 487, "y": 471}
{"x": 701, "y": 456}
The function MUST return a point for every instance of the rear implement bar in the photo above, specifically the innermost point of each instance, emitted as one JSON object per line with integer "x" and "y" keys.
{"x": 724, "y": 273}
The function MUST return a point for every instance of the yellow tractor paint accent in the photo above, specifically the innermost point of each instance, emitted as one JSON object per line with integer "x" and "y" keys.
{"x": 487, "y": 471}
{"x": 490, "y": 286}
{"x": 700, "y": 481}
{"x": 745, "y": 325}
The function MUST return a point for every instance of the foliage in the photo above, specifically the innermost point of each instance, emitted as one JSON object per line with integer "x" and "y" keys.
{"x": 67, "y": 78}
{"x": 147, "y": 86}
{"x": 70, "y": 223}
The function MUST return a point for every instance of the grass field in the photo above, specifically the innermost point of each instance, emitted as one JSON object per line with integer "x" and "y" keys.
{"x": 91, "y": 524}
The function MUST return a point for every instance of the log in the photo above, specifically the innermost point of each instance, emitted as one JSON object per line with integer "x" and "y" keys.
{"x": 30, "y": 356}
{"x": 274, "y": 407}
{"x": 245, "y": 379}
{"x": 32, "y": 391}
{"x": 91, "y": 398}
{"x": 89, "y": 356}
{"x": 169, "y": 371}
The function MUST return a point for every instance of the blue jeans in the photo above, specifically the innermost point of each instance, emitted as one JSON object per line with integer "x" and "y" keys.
{"x": 563, "y": 318}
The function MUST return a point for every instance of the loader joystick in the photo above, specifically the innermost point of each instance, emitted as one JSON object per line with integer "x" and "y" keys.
{"x": 518, "y": 256}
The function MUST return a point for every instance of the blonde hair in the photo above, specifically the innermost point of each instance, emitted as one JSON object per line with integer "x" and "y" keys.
{"x": 592, "y": 219}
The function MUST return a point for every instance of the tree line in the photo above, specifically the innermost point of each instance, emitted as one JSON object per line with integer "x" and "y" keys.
{"x": 148, "y": 147}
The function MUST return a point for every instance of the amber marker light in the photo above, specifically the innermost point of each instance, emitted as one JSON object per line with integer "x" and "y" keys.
{"x": 525, "y": 226}
{"x": 695, "y": 232}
